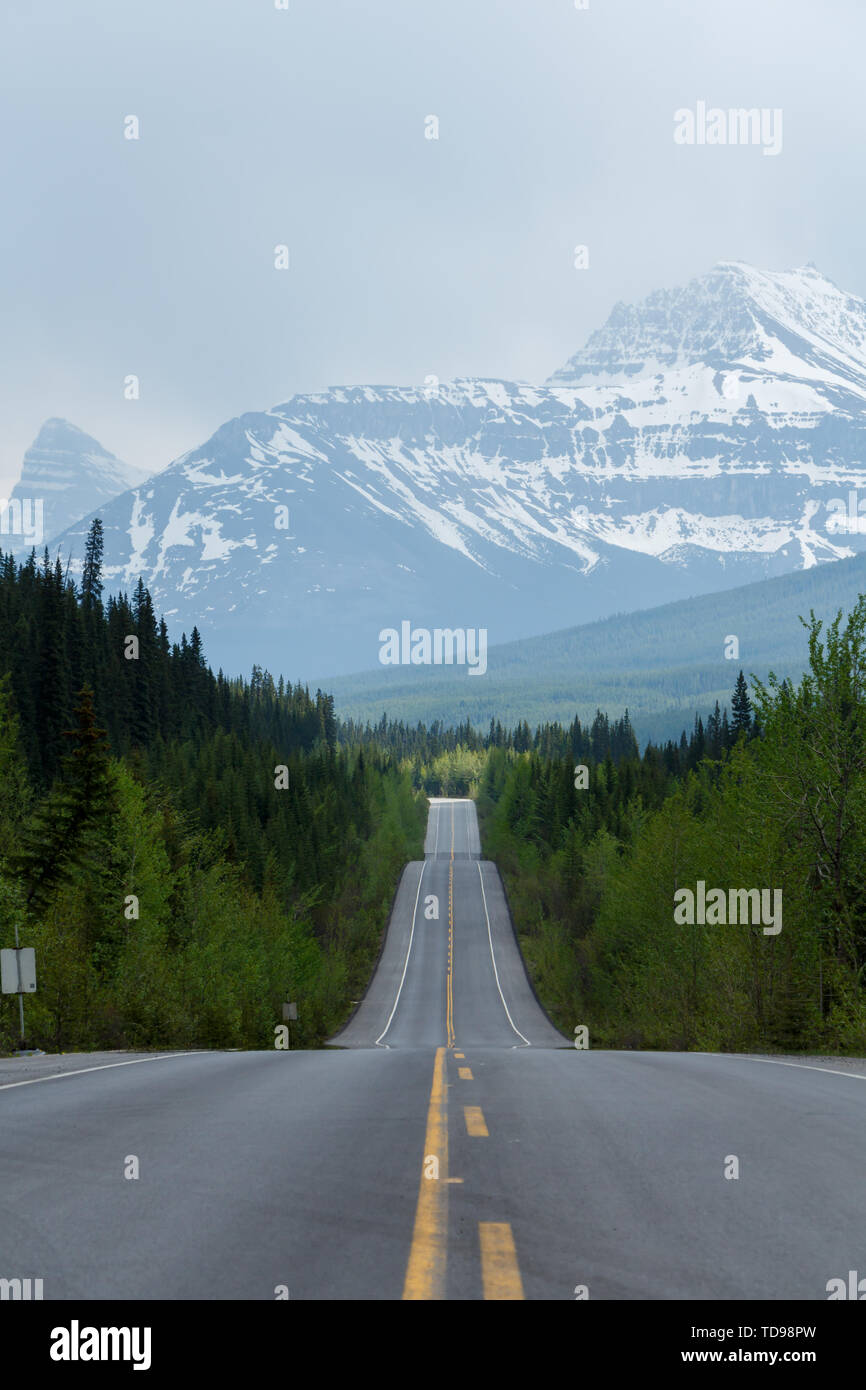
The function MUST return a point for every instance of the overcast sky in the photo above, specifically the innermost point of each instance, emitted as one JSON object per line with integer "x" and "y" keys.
{"x": 408, "y": 256}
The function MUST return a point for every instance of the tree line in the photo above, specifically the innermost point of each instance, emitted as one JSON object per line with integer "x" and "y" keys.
{"x": 185, "y": 851}
{"x": 777, "y": 803}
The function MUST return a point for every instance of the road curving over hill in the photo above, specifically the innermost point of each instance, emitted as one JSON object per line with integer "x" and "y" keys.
{"x": 450, "y": 1144}
{"x": 451, "y": 970}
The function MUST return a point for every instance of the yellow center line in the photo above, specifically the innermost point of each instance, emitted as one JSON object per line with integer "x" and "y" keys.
{"x": 500, "y": 1274}
{"x": 425, "y": 1273}
{"x": 465, "y": 1073}
{"x": 476, "y": 1126}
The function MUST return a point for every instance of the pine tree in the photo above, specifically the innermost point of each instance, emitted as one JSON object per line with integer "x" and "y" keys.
{"x": 698, "y": 745}
{"x": 741, "y": 709}
{"x": 14, "y": 784}
{"x": 91, "y": 579}
{"x": 67, "y": 832}
{"x": 714, "y": 733}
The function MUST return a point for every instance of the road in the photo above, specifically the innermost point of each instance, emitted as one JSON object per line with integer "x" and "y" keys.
{"x": 450, "y": 1145}
{"x": 464, "y": 975}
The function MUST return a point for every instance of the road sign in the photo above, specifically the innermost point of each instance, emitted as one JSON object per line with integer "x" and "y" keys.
{"x": 18, "y": 971}
{"x": 290, "y": 1013}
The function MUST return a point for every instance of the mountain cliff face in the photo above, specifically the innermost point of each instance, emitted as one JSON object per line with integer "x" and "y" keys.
{"x": 64, "y": 475}
{"x": 793, "y": 326}
{"x": 707, "y": 437}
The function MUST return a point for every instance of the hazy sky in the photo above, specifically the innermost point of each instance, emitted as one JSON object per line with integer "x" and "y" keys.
{"x": 408, "y": 256}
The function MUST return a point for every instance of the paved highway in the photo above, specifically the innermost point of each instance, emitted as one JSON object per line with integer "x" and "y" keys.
{"x": 450, "y": 1145}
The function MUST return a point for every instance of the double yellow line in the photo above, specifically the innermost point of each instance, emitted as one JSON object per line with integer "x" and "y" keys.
{"x": 425, "y": 1275}
{"x": 428, "y": 1257}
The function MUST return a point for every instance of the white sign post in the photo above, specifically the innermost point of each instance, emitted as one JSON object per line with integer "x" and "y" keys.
{"x": 18, "y": 971}
{"x": 18, "y": 976}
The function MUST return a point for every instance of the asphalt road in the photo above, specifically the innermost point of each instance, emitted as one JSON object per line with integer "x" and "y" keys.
{"x": 451, "y": 1145}
{"x": 463, "y": 977}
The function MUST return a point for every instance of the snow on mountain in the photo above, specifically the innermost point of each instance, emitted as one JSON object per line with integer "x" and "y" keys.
{"x": 703, "y": 438}
{"x": 790, "y": 326}
{"x": 65, "y": 475}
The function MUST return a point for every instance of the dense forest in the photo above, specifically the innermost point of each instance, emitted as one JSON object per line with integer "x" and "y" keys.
{"x": 187, "y": 851}
{"x": 777, "y": 802}
{"x": 184, "y": 852}
{"x": 663, "y": 664}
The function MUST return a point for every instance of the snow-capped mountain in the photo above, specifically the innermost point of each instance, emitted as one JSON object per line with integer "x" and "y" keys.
{"x": 709, "y": 436}
{"x": 791, "y": 325}
{"x": 64, "y": 475}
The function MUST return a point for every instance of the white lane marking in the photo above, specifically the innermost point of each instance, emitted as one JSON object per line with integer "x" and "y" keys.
{"x": 771, "y": 1061}
{"x": 473, "y": 834}
{"x": 493, "y": 958}
{"x": 104, "y": 1066}
{"x": 406, "y": 962}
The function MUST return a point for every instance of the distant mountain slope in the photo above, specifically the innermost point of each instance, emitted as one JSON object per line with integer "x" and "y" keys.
{"x": 703, "y": 438}
{"x": 663, "y": 663}
{"x": 71, "y": 474}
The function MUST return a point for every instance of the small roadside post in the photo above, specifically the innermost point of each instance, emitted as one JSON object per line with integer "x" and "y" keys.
{"x": 18, "y": 976}
{"x": 290, "y": 1015}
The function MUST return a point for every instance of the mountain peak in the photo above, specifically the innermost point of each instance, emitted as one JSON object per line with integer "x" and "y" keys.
{"x": 55, "y": 428}
{"x": 68, "y": 474}
{"x": 732, "y": 316}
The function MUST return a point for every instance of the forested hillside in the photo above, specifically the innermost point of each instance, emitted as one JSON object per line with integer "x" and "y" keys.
{"x": 663, "y": 664}
{"x": 183, "y": 851}
{"x": 186, "y": 851}
{"x": 780, "y": 804}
